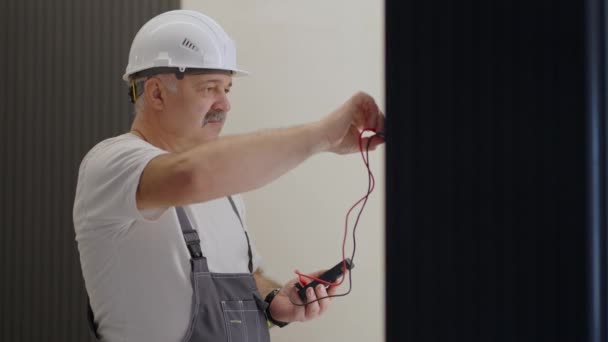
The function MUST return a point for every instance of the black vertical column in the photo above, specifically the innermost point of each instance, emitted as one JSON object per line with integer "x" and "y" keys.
{"x": 597, "y": 159}
{"x": 487, "y": 202}
{"x": 60, "y": 93}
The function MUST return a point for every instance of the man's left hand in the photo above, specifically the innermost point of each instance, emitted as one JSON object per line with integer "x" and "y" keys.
{"x": 282, "y": 309}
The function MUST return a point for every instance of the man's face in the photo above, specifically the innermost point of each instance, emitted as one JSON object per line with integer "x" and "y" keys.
{"x": 199, "y": 106}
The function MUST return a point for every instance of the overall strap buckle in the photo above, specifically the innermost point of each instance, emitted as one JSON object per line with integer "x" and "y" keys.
{"x": 193, "y": 243}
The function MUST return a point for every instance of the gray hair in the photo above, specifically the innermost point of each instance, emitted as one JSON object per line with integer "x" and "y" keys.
{"x": 168, "y": 80}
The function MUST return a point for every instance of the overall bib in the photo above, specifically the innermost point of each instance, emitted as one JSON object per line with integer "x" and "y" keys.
{"x": 225, "y": 306}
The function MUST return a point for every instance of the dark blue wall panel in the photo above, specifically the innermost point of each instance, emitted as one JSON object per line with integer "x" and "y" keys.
{"x": 486, "y": 171}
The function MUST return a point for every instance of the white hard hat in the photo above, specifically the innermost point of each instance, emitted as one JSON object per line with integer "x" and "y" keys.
{"x": 180, "y": 41}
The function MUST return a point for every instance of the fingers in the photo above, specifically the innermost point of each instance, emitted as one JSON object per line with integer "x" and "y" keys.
{"x": 379, "y": 128}
{"x": 371, "y": 113}
{"x": 312, "y": 309}
{"x": 375, "y": 141}
{"x": 318, "y": 301}
{"x": 365, "y": 110}
{"x": 332, "y": 290}
{"x": 321, "y": 292}
{"x": 373, "y": 117}
{"x": 380, "y": 122}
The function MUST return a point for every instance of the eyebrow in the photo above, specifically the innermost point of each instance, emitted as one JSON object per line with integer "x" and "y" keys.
{"x": 199, "y": 83}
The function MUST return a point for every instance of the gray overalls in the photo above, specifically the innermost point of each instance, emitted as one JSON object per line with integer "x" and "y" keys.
{"x": 225, "y": 306}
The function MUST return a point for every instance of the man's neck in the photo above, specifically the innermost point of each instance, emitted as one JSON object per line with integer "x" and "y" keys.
{"x": 157, "y": 137}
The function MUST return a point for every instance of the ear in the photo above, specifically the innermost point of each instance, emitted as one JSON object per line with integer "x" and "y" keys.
{"x": 154, "y": 93}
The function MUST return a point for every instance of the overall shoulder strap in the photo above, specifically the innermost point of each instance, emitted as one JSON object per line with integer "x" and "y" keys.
{"x": 193, "y": 242}
{"x": 246, "y": 235}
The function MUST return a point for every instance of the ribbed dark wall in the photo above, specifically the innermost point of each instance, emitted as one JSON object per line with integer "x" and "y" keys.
{"x": 596, "y": 20}
{"x": 486, "y": 201}
{"x": 60, "y": 93}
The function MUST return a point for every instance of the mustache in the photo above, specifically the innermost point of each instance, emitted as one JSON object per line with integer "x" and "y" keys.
{"x": 214, "y": 116}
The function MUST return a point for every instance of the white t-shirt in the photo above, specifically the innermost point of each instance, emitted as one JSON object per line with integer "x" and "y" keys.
{"x": 135, "y": 263}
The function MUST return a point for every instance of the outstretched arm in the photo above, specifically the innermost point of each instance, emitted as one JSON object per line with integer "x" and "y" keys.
{"x": 242, "y": 163}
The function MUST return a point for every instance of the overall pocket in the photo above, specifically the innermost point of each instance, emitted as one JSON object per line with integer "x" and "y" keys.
{"x": 244, "y": 321}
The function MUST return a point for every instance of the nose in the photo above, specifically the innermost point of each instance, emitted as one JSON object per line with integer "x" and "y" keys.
{"x": 222, "y": 104}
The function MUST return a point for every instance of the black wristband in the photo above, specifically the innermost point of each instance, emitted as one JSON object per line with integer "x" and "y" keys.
{"x": 268, "y": 300}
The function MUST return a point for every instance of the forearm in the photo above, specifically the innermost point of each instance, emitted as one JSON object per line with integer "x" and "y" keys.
{"x": 264, "y": 284}
{"x": 241, "y": 163}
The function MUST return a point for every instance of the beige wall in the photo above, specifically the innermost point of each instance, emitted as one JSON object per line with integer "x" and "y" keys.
{"x": 305, "y": 59}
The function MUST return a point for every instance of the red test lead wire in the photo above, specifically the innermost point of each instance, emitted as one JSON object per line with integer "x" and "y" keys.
{"x": 302, "y": 277}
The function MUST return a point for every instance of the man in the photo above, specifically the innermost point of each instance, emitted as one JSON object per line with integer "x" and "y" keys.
{"x": 159, "y": 223}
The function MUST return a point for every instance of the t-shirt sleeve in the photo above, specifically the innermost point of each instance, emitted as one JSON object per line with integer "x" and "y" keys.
{"x": 110, "y": 177}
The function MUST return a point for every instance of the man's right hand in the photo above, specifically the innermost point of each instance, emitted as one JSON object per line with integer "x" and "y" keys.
{"x": 343, "y": 126}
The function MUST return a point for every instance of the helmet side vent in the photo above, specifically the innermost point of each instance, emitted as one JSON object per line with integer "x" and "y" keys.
{"x": 186, "y": 43}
